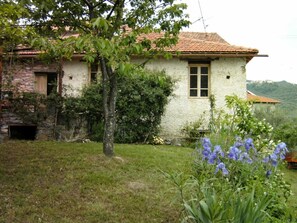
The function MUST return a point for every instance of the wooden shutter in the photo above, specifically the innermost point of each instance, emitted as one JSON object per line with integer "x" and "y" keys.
{"x": 41, "y": 83}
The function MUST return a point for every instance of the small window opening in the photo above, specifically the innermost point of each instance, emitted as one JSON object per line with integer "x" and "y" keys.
{"x": 22, "y": 132}
{"x": 94, "y": 72}
{"x": 45, "y": 83}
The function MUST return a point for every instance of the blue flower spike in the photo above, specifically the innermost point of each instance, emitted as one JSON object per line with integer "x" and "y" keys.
{"x": 221, "y": 166}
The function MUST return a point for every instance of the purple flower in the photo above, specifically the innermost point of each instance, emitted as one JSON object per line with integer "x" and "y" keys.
{"x": 279, "y": 153}
{"x": 218, "y": 150}
{"x": 206, "y": 143}
{"x": 238, "y": 143}
{"x": 273, "y": 159}
{"x": 206, "y": 148}
{"x": 206, "y": 153}
{"x": 234, "y": 153}
{"x": 221, "y": 166}
{"x": 248, "y": 144}
{"x": 212, "y": 158}
{"x": 266, "y": 159}
{"x": 281, "y": 150}
{"x": 244, "y": 157}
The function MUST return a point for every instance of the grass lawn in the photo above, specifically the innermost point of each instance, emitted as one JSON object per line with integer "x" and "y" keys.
{"x": 73, "y": 182}
{"x": 291, "y": 177}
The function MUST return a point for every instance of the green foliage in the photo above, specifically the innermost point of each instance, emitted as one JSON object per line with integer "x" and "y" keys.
{"x": 192, "y": 130}
{"x": 283, "y": 91}
{"x": 239, "y": 182}
{"x": 141, "y": 102}
{"x": 285, "y": 128}
{"x": 245, "y": 193}
{"x": 274, "y": 116}
{"x": 30, "y": 107}
{"x": 249, "y": 209}
{"x": 243, "y": 121}
{"x": 239, "y": 121}
{"x": 109, "y": 32}
{"x": 12, "y": 33}
{"x": 287, "y": 132}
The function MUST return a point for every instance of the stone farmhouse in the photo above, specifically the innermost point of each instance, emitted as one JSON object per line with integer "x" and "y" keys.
{"x": 206, "y": 65}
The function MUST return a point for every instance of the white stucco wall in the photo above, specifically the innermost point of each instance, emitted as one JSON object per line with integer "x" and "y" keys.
{"x": 221, "y": 69}
{"x": 227, "y": 77}
{"x": 76, "y": 76}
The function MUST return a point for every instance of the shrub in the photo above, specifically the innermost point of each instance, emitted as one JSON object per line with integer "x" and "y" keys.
{"x": 192, "y": 130}
{"x": 287, "y": 132}
{"x": 239, "y": 121}
{"x": 141, "y": 101}
{"x": 285, "y": 128}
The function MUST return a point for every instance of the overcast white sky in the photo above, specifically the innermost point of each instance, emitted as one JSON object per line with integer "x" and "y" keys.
{"x": 267, "y": 25}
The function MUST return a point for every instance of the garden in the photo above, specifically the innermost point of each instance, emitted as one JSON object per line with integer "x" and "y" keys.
{"x": 235, "y": 173}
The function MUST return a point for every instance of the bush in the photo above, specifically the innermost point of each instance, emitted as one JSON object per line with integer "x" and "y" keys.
{"x": 142, "y": 97}
{"x": 239, "y": 121}
{"x": 287, "y": 132}
{"x": 192, "y": 130}
{"x": 285, "y": 128}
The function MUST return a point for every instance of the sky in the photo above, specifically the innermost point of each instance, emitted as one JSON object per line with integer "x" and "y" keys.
{"x": 267, "y": 25}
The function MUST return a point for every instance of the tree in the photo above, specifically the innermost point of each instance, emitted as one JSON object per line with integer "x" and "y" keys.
{"x": 109, "y": 33}
{"x": 12, "y": 32}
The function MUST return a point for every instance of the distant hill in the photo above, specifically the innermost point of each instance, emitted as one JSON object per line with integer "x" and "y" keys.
{"x": 283, "y": 91}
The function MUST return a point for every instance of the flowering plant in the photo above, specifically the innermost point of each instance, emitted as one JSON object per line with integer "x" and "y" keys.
{"x": 243, "y": 152}
{"x": 236, "y": 184}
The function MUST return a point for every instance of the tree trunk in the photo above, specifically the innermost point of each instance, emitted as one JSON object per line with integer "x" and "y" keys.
{"x": 109, "y": 84}
{"x": 1, "y": 70}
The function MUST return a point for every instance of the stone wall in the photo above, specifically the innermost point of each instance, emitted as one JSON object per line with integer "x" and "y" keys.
{"x": 19, "y": 76}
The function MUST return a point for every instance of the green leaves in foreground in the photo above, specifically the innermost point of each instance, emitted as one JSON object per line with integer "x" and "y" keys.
{"x": 214, "y": 209}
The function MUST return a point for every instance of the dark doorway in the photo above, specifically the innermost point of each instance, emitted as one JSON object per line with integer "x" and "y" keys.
{"x": 23, "y": 132}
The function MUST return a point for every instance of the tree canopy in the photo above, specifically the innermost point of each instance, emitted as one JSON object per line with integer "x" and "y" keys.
{"x": 107, "y": 32}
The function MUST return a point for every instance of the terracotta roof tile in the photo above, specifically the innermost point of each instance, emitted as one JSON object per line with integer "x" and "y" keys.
{"x": 208, "y": 43}
{"x": 192, "y": 43}
{"x": 260, "y": 99}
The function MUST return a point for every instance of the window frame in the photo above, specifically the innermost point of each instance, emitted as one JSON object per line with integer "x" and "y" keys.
{"x": 45, "y": 75}
{"x": 198, "y": 76}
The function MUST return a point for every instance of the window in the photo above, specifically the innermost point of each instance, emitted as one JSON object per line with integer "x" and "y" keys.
{"x": 94, "y": 72}
{"x": 199, "y": 80}
{"x": 45, "y": 83}
{"x": 93, "y": 75}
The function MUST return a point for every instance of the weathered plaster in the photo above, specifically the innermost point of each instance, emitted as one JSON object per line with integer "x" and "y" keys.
{"x": 76, "y": 76}
{"x": 227, "y": 77}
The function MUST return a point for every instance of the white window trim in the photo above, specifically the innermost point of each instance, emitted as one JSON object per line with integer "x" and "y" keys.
{"x": 198, "y": 81}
